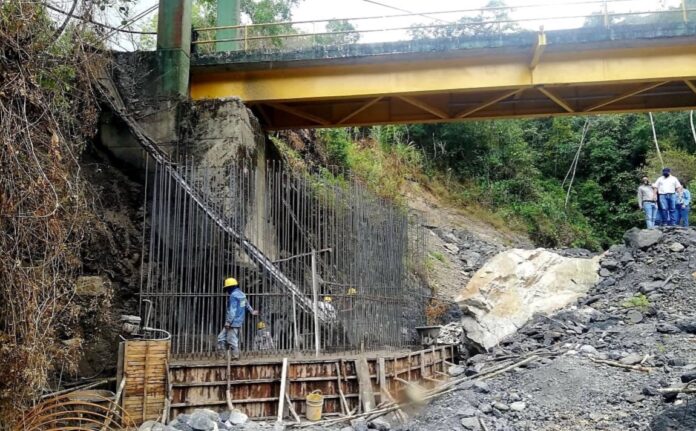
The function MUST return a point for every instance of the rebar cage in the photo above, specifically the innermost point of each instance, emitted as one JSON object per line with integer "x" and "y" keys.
{"x": 350, "y": 259}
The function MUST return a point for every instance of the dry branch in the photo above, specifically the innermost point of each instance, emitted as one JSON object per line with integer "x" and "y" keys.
{"x": 620, "y": 365}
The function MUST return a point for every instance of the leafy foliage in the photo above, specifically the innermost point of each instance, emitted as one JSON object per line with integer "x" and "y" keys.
{"x": 494, "y": 18}
{"x": 519, "y": 169}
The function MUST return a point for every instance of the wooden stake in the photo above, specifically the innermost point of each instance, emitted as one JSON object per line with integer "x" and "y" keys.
{"x": 620, "y": 365}
{"x": 315, "y": 303}
{"x": 281, "y": 398}
{"x": 292, "y": 409}
{"x": 344, "y": 404}
{"x": 228, "y": 392}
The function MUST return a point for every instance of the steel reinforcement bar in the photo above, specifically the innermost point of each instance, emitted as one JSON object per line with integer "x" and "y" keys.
{"x": 110, "y": 93}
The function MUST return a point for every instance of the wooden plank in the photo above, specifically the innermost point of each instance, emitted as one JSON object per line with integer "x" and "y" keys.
{"x": 344, "y": 404}
{"x": 382, "y": 367}
{"x": 145, "y": 385}
{"x": 366, "y": 394}
{"x": 283, "y": 378}
{"x": 254, "y": 400}
{"x": 422, "y": 364}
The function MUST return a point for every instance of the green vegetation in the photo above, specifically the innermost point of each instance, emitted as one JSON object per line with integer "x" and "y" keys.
{"x": 512, "y": 172}
{"x": 639, "y": 301}
{"x": 437, "y": 255}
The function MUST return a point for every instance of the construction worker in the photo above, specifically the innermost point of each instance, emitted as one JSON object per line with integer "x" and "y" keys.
{"x": 237, "y": 305}
{"x": 263, "y": 339}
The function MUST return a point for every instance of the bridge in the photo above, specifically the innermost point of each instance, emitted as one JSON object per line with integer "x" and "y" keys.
{"x": 480, "y": 69}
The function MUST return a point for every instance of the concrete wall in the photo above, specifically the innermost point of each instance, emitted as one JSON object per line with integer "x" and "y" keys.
{"x": 216, "y": 133}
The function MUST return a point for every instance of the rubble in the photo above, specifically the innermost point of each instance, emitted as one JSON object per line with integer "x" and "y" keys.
{"x": 514, "y": 285}
{"x": 640, "y": 314}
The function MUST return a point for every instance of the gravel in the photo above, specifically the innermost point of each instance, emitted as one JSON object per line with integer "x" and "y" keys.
{"x": 642, "y": 311}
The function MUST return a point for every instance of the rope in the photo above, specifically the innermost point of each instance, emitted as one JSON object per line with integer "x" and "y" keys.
{"x": 574, "y": 164}
{"x": 693, "y": 130}
{"x": 657, "y": 146}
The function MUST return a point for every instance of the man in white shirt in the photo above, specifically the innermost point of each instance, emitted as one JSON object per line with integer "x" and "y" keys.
{"x": 666, "y": 186}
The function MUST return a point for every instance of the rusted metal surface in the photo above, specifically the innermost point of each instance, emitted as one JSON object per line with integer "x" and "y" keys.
{"x": 256, "y": 383}
{"x": 76, "y": 412}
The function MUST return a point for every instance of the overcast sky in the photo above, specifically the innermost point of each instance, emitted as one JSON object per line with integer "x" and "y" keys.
{"x": 336, "y": 9}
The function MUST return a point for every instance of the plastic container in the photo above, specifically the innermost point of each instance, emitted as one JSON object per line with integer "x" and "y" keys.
{"x": 315, "y": 405}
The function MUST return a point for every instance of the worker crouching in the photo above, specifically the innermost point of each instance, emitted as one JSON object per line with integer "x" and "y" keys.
{"x": 237, "y": 305}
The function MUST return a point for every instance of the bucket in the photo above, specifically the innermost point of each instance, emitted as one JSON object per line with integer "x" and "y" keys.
{"x": 315, "y": 403}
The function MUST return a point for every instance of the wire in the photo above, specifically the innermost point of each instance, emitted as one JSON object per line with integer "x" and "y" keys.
{"x": 691, "y": 120}
{"x": 407, "y": 11}
{"x": 100, "y": 24}
{"x": 574, "y": 165}
{"x": 657, "y": 146}
{"x": 130, "y": 21}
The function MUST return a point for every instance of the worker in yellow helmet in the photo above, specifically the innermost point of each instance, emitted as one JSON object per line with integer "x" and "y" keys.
{"x": 263, "y": 339}
{"x": 237, "y": 305}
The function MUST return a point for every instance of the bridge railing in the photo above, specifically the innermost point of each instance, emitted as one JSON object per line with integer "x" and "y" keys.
{"x": 298, "y": 35}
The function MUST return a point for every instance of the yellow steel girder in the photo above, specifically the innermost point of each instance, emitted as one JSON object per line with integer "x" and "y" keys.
{"x": 414, "y": 77}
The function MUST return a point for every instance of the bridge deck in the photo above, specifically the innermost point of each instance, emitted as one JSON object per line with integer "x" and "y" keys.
{"x": 564, "y": 72}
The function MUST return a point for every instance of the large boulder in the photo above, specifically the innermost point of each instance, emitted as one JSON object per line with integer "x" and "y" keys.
{"x": 516, "y": 284}
{"x": 642, "y": 238}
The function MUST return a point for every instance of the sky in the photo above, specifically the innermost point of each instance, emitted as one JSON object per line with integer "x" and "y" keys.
{"x": 551, "y": 12}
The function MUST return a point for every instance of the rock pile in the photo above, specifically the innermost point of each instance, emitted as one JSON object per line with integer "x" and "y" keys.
{"x": 209, "y": 420}
{"x": 514, "y": 285}
{"x": 613, "y": 360}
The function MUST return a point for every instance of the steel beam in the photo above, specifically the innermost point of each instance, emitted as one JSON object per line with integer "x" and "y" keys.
{"x": 413, "y": 78}
{"x": 625, "y": 95}
{"x": 174, "y": 46}
{"x": 227, "y": 15}
{"x": 359, "y": 110}
{"x": 560, "y": 102}
{"x": 691, "y": 85}
{"x": 299, "y": 113}
{"x": 424, "y": 106}
{"x": 488, "y": 103}
{"x": 538, "y": 50}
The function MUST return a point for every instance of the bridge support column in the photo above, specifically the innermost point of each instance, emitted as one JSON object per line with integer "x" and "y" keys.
{"x": 174, "y": 47}
{"x": 227, "y": 15}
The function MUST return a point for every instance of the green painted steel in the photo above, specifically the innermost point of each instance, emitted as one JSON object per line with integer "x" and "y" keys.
{"x": 174, "y": 46}
{"x": 227, "y": 14}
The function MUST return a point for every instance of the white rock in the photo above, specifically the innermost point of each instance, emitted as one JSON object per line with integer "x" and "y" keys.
{"x": 590, "y": 350}
{"x": 676, "y": 247}
{"x": 518, "y": 406}
{"x": 237, "y": 417}
{"x": 516, "y": 284}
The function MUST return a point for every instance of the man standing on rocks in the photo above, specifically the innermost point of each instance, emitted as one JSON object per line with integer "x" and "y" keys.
{"x": 683, "y": 205}
{"x": 666, "y": 186}
{"x": 237, "y": 305}
{"x": 647, "y": 201}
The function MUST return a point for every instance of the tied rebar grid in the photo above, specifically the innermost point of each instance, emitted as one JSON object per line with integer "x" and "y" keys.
{"x": 361, "y": 283}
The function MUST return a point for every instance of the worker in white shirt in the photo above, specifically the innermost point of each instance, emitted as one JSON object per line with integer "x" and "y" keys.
{"x": 666, "y": 186}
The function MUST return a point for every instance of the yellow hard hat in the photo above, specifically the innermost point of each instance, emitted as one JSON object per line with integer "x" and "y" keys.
{"x": 352, "y": 291}
{"x": 231, "y": 282}
{"x": 260, "y": 325}
{"x": 327, "y": 299}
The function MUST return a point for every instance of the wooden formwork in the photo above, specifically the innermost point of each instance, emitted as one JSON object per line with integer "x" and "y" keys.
{"x": 144, "y": 364}
{"x": 256, "y": 383}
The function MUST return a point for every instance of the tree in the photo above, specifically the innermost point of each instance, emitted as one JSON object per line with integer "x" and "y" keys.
{"x": 494, "y": 18}
{"x": 346, "y": 36}
{"x": 204, "y": 13}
